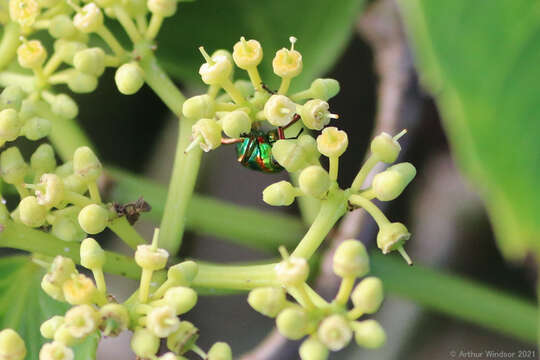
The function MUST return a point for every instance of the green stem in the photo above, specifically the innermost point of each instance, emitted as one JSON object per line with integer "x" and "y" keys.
{"x": 370, "y": 207}
{"x": 127, "y": 23}
{"x": 121, "y": 227}
{"x": 26, "y": 82}
{"x": 9, "y": 44}
{"x": 212, "y": 276}
{"x": 363, "y": 173}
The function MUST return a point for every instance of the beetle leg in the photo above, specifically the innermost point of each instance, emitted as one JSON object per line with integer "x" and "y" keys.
{"x": 227, "y": 141}
{"x": 295, "y": 118}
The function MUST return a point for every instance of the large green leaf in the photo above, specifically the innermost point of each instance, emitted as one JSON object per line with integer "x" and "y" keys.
{"x": 480, "y": 60}
{"x": 322, "y": 28}
{"x": 24, "y": 306}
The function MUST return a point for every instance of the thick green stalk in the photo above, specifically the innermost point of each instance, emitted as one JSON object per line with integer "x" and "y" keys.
{"x": 237, "y": 277}
{"x": 10, "y": 42}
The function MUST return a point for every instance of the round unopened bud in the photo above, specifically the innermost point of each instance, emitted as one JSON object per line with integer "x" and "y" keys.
{"x": 180, "y": 298}
{"x": 335, "y": 332}
{"x": 89, "y": 19}
{"x": 389, "y": 184}
{"x": 67, "y": 49}
{"x": 292, "y": 271}
{"x": 74, "y": 183}
{"x": 93, "y": 219}
{"x": 61, "y": 26}
{"x": 82, "y": 83}
{"x": 62, "y": 269}
{"x": 114, "y": 319}
{"x": 313, "y": 349}
{"x": 269, "y": 301}
{"x": 67, "y": 229}
{"x": 295, "y": 155}
{"x": 63, "y": 335}
{"x": 369, "y": 334}
{"x": 92, "y": 255}
{"x": 12, "y": 97}
{"x": 24, "y": 12}
{"x": 55, "y": 351}
{"x": 385, "y": 148}
{"x": 183, "y": 339}
{"x": 279, "y": 110}
{"x": 129, "y": 78}
{"x": 53, "y": 290}
{"x": 315, "y": 114}
{"x": 324, "y": 89}
{"x": 162, "y": 321}
{"x": 391, "y": 236}
{"x": 49, "y": 327}
{"x": 31, "y": 213}
{"x": 79, "y": 290}
{"x": 314, "y": 181}
{"x": 220, "y": 351}
{"x": 198, "y": 107}
{"x": 90, "y": 61}
{"x": 64, "y": 106}
{"x": 51, "y": 190}
{"x": 292, "y": 322}
{"x": 144, "y": 343}
{"x": 43, "y": 160}
{"x": 288, "y": 63}
{"x": 368, "y": 295}
{"x": 216, "y": 69}
{"x": 11, "y": 345}
{"x": 81, "y": 321}
{"x": 36, "y": 128}
{"x": 209, "y": 131}
{"x": 182, "y": 274}
{"x": 151, "y": 259}
{"x": 86, "y": 165}
{"x": 281, "y": 193}
{"x": 236, "y": 123}
{"x": 31, "y": 54}
{"x": 13, "y": 166}
{"x": 10, "y": 126}
{"x": 351, "y": 259}
{"x": 245, "y": 87}
{"x": 163, "y": 8}
{"x": 247, "y": 54}
{"x": 332, "y": 142}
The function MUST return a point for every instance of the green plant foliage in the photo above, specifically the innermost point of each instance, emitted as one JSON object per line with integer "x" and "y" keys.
{"x": 485, "y": 81}
{"x": 24, "y": 306}
{"x": 322, "y": 28}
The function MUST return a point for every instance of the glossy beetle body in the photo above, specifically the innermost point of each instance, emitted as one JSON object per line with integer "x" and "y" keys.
{"x": 255, "y": 151}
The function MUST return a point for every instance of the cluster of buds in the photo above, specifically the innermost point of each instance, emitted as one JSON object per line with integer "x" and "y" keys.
{"x": 328, "y": 326}
{"x": 243, "y": 105}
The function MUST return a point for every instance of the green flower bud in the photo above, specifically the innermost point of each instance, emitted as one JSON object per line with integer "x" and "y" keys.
{"x": 12, "y": 97}
{"x": 385, "y": 148}
{"x": 82, "y": 83}
{"x": 64, "y": 106}
{"x": 115, "y": 319}
{"x": 24, "y": 12}
{"x": 295, "y": 155}
{"x": 182, "y": 274}
{"x": 147, "y": 257}
{"x": 292, "y": 322}
{"x": 62, "y": 269}
{"x": 220, "y": 351}
{"x": 144, "y": 343}
{"x": 315, "y": 114}
{"x": 31, "y": 54}
{"x": 198, "y": 107}
{"x": 67, "y": 229}
{"x": 86, "y": 164}
{"x": 181, "y": 299}
{"x": 288, "y": 63}
{"x": 236, "y": 123}
{"x": 183, "y": 339}
{"x": 93, "y": 219}
{"x": 332, "y": 142}
{"x": 10, "y": 126}
{"x": 292, "y": 271}
{"x": 216, "y": 69}
{"x": 49, "y": 327}
{"x": 314, "y": 181}
{"x": 79, "y": 290}
{"x": 245, "y": 87}
{"x": 281, "y": 193}
{"x": 13, "y": 166}
{"x": 165, "y": 8}
{"x": 90, "y": 61}
{"x": 162, "y": 321}
{"x": 50, "y": 190}
{"x": 11, "y": 345}
{"x": 28, "y": 108}
{"x": 279, "y": 110}
{"x": 269, "y": 301}
{"x": 43, "y": 159}
{"x": 129, "y": 78}
{"x": 390, "y": 183}
{"x": 324, "y": 89}
{"x": 391, "y": 236}
{"x": 31, "y": 213}
{"x": 227, "y": 54}
{"x": 247, "y": 54}
{"x": 90, "y": 19}
{"x": 65, "y": 169}
{"x": 209, "y": 133}
{"x": 63, "y": 335}
{"x": 61, "y": 26}
{"x": 135, "y": 7}
{"x": 335, "y": 332}
{"x": 81, "y": 321}
{"x": 36, "y": 128}
{"x": 74, "y": 183}
{"x": 368, "y": 295}
{"x": 55, "y": 351}
{"x": 313, "y": 349}
{"x": 92, "y": 255}
{"x": 67, "y": 49}
{"x": 351, "y": 259}
{"x": 369, "y": 334}
{"x": 53, "y": 290}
